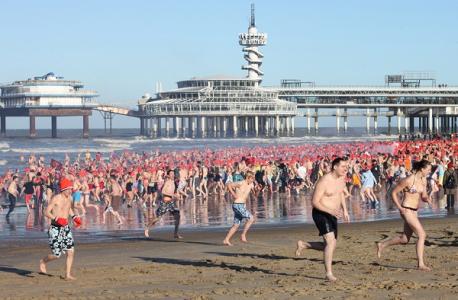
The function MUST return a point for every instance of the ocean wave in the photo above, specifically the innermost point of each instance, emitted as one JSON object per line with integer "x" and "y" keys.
{"x": 3, "y": 162}
{"x": 4, "y": 145}
{"x": 39, "y": 150}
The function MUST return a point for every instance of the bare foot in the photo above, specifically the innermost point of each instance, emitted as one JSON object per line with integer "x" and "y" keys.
{"x": 331, "y": 278}
{"x": 147, "y": 232}
{"x": 227, "y": 243}
{"x": 424, "y": 268}
{"x": 300, "y": 247}
{"x": 43, "y": 267}
{"x": 379, "y": 249}
{"x": 69, "y": 278}
{"x": 177, "y": 236}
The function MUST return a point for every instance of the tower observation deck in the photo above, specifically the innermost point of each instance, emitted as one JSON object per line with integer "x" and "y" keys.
{"x": 252, "y": 40}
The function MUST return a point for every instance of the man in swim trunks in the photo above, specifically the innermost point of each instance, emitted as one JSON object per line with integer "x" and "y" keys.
{"x": 59, "y": 233}
{"x": 29, "y": 189}
{"x": 115, "y": 198}
{"x": 13, "y": 194}
{"x": 328, "y": 202}
{"x": 167, "y": 204}
{"x": 240, "y": 191}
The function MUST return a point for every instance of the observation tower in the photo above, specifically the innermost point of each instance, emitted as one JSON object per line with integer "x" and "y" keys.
{"x": 221, "y": 105}
{"x": 251, "y": 41}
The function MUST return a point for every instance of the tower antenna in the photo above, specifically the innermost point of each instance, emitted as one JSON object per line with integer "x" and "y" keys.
{"x": 252, "y": 20}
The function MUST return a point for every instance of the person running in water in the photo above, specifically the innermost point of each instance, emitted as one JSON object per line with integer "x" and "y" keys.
{"x": 167, "y": 204}
{"x": 13, "y": 194}
{"x": 114, "y": 204}
{"x": 241, "y": 192}
{"x": 328, "y": 202}
{"x": 59, "y": 233}
{"x": 414, "y": 188}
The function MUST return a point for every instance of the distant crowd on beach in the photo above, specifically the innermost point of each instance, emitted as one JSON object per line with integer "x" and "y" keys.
{"x": 200, "y": 173}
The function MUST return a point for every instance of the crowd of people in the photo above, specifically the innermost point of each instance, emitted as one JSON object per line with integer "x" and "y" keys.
{"x": 163, "y": 180}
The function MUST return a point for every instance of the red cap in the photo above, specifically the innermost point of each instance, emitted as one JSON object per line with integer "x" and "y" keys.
{"x": 65, "y": 184}
{"x": 450, "y": 165}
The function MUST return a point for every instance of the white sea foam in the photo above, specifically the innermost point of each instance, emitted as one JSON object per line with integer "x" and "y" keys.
{"x": 4, "y": 146}
{"x": 64, "y": 150}
{"x": 3, "y": 162}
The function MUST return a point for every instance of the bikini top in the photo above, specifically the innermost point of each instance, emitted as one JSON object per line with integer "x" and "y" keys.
{"x": 412, "y": 189}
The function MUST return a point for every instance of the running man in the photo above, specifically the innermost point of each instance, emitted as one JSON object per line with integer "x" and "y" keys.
{"x": 414, "y": 188}
{"x": 114, "y": 204}
{"x": 59, "y": 233}
{"x": 13, "y": 194}
{"x": 167, "y": 204}
{"x": 328, "y": 202}
{"x": 240, "y": 191}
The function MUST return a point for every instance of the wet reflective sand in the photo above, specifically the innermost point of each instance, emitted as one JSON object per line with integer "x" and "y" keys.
{"x": 202, "y": 213}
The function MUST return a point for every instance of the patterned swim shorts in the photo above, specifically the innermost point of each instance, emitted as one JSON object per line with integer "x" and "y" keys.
{"x": 165, "y": 207}
{"x": 60, "y": 239}
{"x": 240, "y": 213}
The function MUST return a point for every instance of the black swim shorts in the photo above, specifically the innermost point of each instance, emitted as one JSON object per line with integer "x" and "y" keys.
{"x": 324, "y": 222}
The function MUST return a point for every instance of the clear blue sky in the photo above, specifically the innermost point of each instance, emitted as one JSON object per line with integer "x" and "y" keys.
{"x": 121, "y": 48}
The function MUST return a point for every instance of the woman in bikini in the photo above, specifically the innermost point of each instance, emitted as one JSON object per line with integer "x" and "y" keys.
{"x": 414, "y": 188}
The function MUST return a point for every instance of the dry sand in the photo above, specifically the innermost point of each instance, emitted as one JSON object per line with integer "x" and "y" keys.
{"x": 199, "y": 267}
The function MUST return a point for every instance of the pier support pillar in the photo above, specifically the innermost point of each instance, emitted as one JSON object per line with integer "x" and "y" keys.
{"x": 203, "y": 126}
{"x": 54, "y": 127}
{"x": 3, "y": 125}
{"x": 167, "y": 126}
{"x": 246, "y": 126}
{"x": 32, "y": 129}
{"x": 308, "y": 119}
{"x": 316, "y": 120}
{"x": 193, "y": 126}
{"x": 375, "y": 120}
{"x": 338, "y": 119}
{"x": 266, "y": 125}
{"x": 398, "y": 117}
{"x": 288, "y": 125}
{"x": 178, "y": 126}
{"x": 430, "y": 123}
{"x": 436, "y": 123}
{"x": 256, "y": 125}
{"x": 159, "y": 127}
{"x": 155, "y": 121}
{"x": 215, "y": 126}
{"x": 150, "y": 130}
{"x": 345, "y": 120}
{"x": 85, "y": 126}
{"x": 292, "y": 126}
{"x": 234, "y": 125}
{"x": 224, "y": 126}
{"x": 406, "y": 124}
{"x": 389, "y": 125}
{"x": 277, "y": 125}
{"x": 368, "y": 120}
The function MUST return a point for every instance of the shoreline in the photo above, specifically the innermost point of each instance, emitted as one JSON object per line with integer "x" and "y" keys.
{"x": 200, "y": 267}
{"x": 112, "y": 236}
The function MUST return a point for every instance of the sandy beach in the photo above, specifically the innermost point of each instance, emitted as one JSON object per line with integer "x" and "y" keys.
{"x": 199, "y": 267}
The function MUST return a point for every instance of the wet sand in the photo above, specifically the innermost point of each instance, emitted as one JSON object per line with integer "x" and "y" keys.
{"x": 199, "y": 267}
